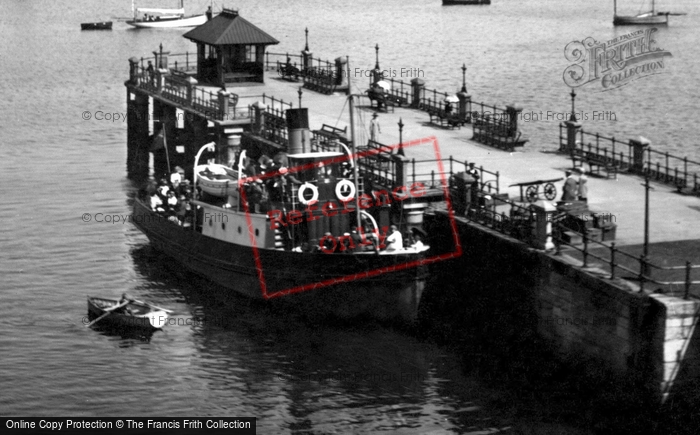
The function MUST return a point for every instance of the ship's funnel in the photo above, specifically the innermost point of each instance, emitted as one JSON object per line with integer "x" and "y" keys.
{"x": 299, "y": 133}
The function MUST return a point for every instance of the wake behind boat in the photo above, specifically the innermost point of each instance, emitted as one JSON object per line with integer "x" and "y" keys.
{"x": 134, "y": 314}
{"x": 164, "y": 18}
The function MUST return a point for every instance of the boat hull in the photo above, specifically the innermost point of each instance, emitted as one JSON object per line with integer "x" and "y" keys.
{"x": 390, "y": 293}
{"x": 646, "y": 19}
{"x": 105, "y": 25}
{"x": 143, "y": 317}
{"x": 465, "y": 2}
{"x": 193, "y": 21}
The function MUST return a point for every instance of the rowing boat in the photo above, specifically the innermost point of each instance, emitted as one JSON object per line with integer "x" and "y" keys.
{"x": 135, "y": 314}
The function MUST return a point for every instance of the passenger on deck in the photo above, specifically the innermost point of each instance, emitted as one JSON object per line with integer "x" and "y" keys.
{"x": 254, "y": 194}
{"x": 184, "y": 215}
{"x": 265, "y": 163}
{"x": 184, "y": 189}
{"x": 157, "y": 203}
{"x": 176, "y": 177}
{"x": 394, "y": 242}
{"x": 163, "y": 189}
{"x": 172, "y": 203}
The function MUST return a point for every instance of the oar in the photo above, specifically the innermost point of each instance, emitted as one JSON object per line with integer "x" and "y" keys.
{"x": 108, "y": 312}
{"x": 153, "y": 306}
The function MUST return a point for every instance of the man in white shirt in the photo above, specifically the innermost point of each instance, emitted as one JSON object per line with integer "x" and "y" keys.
{"x": 394, "y": 242}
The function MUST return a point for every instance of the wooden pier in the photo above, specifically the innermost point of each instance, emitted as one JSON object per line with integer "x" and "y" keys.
{"x": 191, "y": 113}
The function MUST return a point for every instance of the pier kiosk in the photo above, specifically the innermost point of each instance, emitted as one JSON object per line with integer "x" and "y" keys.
{"x": 230, "y": 49}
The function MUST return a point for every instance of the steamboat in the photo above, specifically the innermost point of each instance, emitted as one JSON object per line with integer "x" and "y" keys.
{"x": 297, "y": 226}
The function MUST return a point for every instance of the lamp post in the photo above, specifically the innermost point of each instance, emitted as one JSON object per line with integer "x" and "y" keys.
{"x": 464, "y": 78}
{"x": 376, "y": 51}
{"x": 300, "y": 92}
{"x": 646, "y": 270}
{"x": 572, "y": 118}
{"x": 400, "y": 151}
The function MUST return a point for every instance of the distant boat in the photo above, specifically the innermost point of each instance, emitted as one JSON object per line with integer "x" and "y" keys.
{"x": 465, "y": 2}
{"x": 159, "y": 18}
{"x": 646, "y": 18}
{"x": 104, "y": 25}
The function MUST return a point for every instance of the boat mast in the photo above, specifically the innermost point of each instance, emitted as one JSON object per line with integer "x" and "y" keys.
{"x": 353, "y": 150}
{"x": 614, "y": 7}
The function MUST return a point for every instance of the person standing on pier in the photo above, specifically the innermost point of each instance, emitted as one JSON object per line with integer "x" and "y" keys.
{"x": 583, "y": 188}
{"x": 374, "y": 128}
{"x": 149, "y": 71}
{"x": 570, "y": 188}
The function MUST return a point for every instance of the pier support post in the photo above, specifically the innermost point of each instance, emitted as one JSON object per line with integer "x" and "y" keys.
{"x": 465, "y": 106}
{"x": 306, "y": 59}
{"x": 161, "y": 58}
{"x": 161, "y": 74}
{"x": 341, "y": 76}
{"x": 137, "y": 145}
{"x": 133, "y": 70}
{"x": 417, "y": 86}
{"x": 258, "y": 111}
{"x": 223, "y": 103}
{"x": 544, "y": 211}
{"x": 639, "y": 147}
{"x": 572, "y": 128}
{"x": 228, "y": 142}
{"x": 513, "y": 115}
{"x": 191, "y": 83}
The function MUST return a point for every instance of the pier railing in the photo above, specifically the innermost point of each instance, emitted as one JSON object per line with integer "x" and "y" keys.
{"x": 626, "y": 156}
{"x": 270, "y": 120}
{"x": 676, "y": 280}
{"x": 178, "y": 87}
{"x": 317, "y": 74}
{"x": 504, "y": 216}
{"x": 391, "y": 170}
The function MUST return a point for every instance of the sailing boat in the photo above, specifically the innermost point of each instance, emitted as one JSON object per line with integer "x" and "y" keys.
{"x": 651, "y": 17}
{"x": 158, "y": 17}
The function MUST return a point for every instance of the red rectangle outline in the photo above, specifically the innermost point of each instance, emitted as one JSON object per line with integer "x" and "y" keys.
{"x": 370, "y": 273}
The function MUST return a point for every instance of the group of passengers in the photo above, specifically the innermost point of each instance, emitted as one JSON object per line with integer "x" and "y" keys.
{"x": 172, "y": 198}
{"x": 263, "y": 191}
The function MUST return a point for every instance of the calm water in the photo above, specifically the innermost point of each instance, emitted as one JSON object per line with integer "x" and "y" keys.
{"x": 245, "y": 360}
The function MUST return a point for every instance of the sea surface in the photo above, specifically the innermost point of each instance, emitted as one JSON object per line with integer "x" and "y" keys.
{"x": 239, "y": 358}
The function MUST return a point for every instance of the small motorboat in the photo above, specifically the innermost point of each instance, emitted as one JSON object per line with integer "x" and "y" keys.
{"x": 217, "y": 180}
{"x": 104, "y": 25}
{"x": 134, "y": 314}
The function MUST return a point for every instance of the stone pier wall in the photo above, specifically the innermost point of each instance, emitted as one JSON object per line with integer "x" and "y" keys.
{"x": 607, "y": 327}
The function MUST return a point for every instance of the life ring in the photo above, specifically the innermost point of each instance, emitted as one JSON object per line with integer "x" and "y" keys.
{"x": 302, "y": 191}
{"x": 339, "y": 188}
